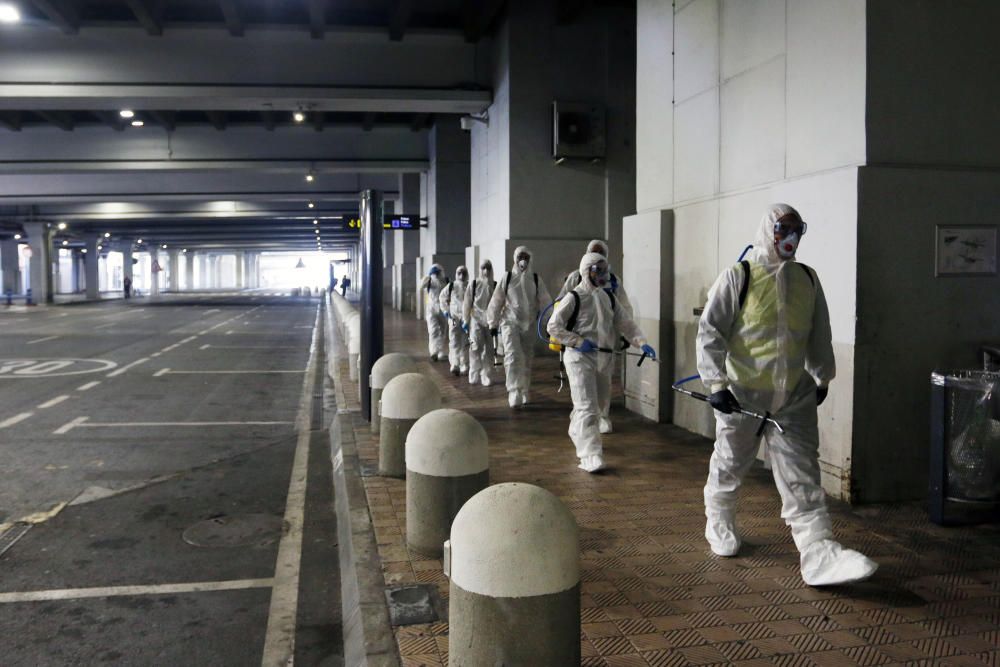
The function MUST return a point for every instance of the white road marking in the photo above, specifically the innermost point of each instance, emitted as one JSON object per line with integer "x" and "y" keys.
{"x": 162, "y": 371}
{"x": 251, "y": 347}
{"x": 16, "y": 419}
{"x": 126, "y": 367}
{"x": 70, "y": 425}
{"x": 119, "y": 591}
{"x": 227, "y": 372}
{"x": 213, "y": 310}
{"x": 89, "y": 385}
{"x": 55, "y": 401}
{"x": 41, "y": 340}
{"x": 84, "y": 422}
{"x": 105, "y": 326}
{"x": 279, "y": 640}
{"x": 155, "y": 354}
{"x": 229, "y": 333}
{"x": 205, "y": 346}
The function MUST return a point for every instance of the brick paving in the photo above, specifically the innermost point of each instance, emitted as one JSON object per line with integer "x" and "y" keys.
{"x": 652, "y": 592}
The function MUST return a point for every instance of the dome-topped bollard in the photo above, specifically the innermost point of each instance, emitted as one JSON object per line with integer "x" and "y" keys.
{"x": 386, "y": 368}
{"x": 447, "y": 462}
{"x": 514, "y": 563}
{"x": 405, "y": 399}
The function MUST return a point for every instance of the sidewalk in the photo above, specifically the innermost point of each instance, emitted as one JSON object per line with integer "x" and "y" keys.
{"x": 652, "y": 593}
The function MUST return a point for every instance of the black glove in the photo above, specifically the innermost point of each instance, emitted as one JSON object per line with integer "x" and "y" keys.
{"x": 821, "y": 393}
{"x": 494, "y": 332}
{"x": 724, "y": 402}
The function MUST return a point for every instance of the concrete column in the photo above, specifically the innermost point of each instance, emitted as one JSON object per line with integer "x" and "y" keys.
{"x": 406, "y": 245}
{"x": 174, "y": 278}
{"x": 447, "y": 206}
{"x": 40, "y": 265}
{"x": 447, "y": 462}
{"x": 127, "y": 260}
{"x": 202, "y": 271}
{"x": 154, "y": 276}
{"x": 514, "y": 564}
{"x": 189, "y": 258}
{"x": 9, "y": 260}
{"x": 240, "y": 269}
{"x": 405, "y": 399}
{"x": 91, "y": 266}
{"x": 78, "y": 279}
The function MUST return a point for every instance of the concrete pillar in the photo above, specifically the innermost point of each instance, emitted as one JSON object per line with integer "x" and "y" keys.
{"x": 202, "y": 271}
{"x": 189, "y": 270}
{"x": 91, "y": 266}
{"x": 406, "y": 246}
{"x": 447, "y": 462}
{"x": 447, "y": 205}
{"x": 405, "y": 399}
{"x": 154, "y": 275}
{"x": 174, "y": 277}
{"x": 385, "y": 369}
{"x": 40, "y": 265}
{"x": 514, "y": 564}
{"x": 127, "y": 260}
{"x": 9, "y": 260}
{"x": 240, "y": 269}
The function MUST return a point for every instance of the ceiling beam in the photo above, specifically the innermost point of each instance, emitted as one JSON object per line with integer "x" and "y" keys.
{"x": 166, "y": 119}
{"x": 60, "y": 119}
{"x": 420, "y": 121}
{"x": 11, "y": 120}
{"x": 217, "y": 119}
{"x": 234, "y": 18}
{"x": 269, "y": 120}
{"x": 318, "y": 120}
{"x": 60, "y": 13}
{"x": 317, "y": 18}
{"x": 144, "y": 15}
{"x": 368, "y": 122}
{"x": 478, "y": 16}
{"x": 399, "y": 17}
{"x": 111, "y": 119}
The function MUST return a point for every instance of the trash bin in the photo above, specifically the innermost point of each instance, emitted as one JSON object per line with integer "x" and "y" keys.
{"x": 991, "y": 357}
{"x": 965, "y": 447}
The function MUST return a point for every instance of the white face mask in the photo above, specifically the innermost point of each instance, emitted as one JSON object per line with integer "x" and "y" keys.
{"x": 787, "y": 246}
{"x": 523, "y": 265}
{"x": 486, "y": 273}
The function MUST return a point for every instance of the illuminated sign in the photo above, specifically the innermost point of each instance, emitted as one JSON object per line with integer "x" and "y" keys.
{"x": 400, "y": 221}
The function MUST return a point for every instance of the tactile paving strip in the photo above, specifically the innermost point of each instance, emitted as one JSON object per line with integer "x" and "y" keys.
{"x": 652, "y": 593}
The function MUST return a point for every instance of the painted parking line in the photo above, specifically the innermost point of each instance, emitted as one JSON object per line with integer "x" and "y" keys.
{"x": 55, "y": 401}
{"x": 126, "y": 367}
{"x": 70, "y": 425}
{"x": 41, "y": 340}
{"x": 88, "y": 386}
{"x": 84, "y": 422}
{"x": 251, "y": 347}
{"x": 227, "y": 372}
{"x": 16, "y": 419}
{"x": 162, "y": 371}
{"x": 120, "y": 591}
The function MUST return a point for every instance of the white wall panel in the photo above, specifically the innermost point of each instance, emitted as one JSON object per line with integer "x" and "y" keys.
{"x": 696, "y": 146}
{"x": 654, "y": 105}
{"x": 753, "y": 32}
{"x": 753, "y": 127}
{"x": 697, "y": 51}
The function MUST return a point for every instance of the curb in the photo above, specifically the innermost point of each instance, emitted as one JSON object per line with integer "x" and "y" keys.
{"x": 368, "y": 637}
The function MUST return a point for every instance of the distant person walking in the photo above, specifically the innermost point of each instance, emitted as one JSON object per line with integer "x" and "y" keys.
{"x": 127, "y": 287}
{"x": 345, "y": 282}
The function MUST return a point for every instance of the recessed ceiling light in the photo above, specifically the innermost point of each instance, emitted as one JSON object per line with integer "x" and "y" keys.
{"x": 65, "y": 242}
{"x": 9, "y": 13}
{"x": 164, "y": 246}
{"x": 107, "y": 235}
{"x": 184, "y": 250}
{"x": 298, "y": 116}
{"x": 315, "y": 222}
{"x": 84, "y": 251}
{"x": 312, "y": 205}
{"x": 126, "y": 113}
{"x": 17, "y": 237}
{"x": 138, "y": 240}
{"x": 61, "y": 225}
{"x": 137, "y": 123}
{"x": 310, "y": 178}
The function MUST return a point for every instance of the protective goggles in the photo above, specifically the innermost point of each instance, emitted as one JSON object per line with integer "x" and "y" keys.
{"x": 783, "y": 229}
{"x": 599, "y": 270}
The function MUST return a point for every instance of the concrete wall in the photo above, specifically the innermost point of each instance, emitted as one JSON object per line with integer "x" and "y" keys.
{"x": 934, "y": 147}
{"x": 760, "y": 102}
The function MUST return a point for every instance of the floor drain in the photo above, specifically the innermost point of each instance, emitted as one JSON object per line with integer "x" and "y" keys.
{"x": 411, "y": 604}
{"x": 238, "y": 530}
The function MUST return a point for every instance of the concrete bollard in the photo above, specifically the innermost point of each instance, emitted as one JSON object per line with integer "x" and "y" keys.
{"x": 514, "y": 564}
{"x": 354, "y": 344}
{"x": 405, "y": 399}
{"x": 447, "y": 462}
{"x": 387, "y": 367}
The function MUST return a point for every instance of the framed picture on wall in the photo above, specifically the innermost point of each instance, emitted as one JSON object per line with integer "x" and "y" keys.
{"x": 966, "y": 250}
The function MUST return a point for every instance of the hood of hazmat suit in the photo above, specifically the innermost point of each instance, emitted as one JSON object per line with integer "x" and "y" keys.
{"x": 431, "y": 287}
{"x": 598, "y": 246}
{"x": 453, "y": 295}
{"x": 516, "y": 299}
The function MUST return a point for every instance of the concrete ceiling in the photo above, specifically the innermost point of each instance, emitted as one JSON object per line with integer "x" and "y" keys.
{"x": 219, "y": 158}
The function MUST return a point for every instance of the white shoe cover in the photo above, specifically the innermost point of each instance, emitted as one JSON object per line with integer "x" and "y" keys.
{"x": 512, "y": 399}
{"x": 591, "y": 463}
{"x": 605, "y": 426}
{"x": 486, "y": 382}
{"x": 827, "y": 563}
{"x": 524, "y": 397}
{"x": 722, "y": 537}
{"x": 473, "y": 379}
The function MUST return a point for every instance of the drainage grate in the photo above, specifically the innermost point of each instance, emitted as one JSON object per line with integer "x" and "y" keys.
{"x": 10, "y": 536}
{"x": 412, "y": 604}
{"x": 239, "y": 530}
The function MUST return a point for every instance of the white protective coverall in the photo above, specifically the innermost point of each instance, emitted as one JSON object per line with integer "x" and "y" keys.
{"x": 452, "y": 298}
{"x": 431, "y": 287}
{"x": 481, "y": 347}
{"x": 772, "y": 354}
{"x": 514, "y": 309}
{"x": 604, "y": 324}
{"x": 621, "y": 298}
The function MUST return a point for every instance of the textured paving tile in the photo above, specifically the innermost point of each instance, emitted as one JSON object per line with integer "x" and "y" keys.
{"x": 652, "y": 593}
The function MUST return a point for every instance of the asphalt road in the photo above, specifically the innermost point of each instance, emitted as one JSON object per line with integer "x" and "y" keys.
{"x": 169, "y": 470}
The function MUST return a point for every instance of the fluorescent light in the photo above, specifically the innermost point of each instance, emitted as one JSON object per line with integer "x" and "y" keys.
{"x": 298, "y": 116}
{"x": 9, "y": 13}
{"x": 126, "y": 113}
{"x": 137, "y": 123}
{"x": 61, "y": 225}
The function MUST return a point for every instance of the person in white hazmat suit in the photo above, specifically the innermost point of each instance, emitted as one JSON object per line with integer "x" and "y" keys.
{"x": 481, "y": 344}
{"x": 617, "y": 290}
{"x": 452, "y": 300}
{"x": 589, "y": 318}
{"x": 764, "y": 343}
{"x": 431, "y": 287}
{"x": 513, "y": 310}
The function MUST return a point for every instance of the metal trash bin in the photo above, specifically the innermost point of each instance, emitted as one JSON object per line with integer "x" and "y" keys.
{"x": 965, "y": 447}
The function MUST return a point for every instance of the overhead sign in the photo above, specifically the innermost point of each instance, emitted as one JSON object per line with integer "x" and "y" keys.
{"x": 400, "y": 221}
{"x": 46, "y": 368}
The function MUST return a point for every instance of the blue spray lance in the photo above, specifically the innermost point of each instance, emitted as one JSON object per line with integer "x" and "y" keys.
{"x": 764, "y": 418}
